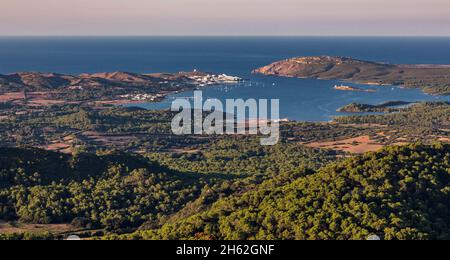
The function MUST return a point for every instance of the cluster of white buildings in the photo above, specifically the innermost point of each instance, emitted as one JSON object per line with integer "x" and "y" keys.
{"x": 208, "y": 80}
{"x": 76, "y": 88}
{"x": 142, "y": 97}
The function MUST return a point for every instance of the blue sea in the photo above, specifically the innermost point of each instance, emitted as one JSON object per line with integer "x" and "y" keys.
{"x": 300, "y": 99}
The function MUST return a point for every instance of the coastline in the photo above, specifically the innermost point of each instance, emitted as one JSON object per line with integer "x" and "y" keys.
{"x": 431, "y": 79}
{"x": 120, "y": 87}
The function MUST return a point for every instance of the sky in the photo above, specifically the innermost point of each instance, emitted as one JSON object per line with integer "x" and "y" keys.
{"x": 224, "y": 17}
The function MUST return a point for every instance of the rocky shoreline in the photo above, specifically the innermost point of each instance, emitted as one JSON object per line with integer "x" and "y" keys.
{"x": 432, "y": 79}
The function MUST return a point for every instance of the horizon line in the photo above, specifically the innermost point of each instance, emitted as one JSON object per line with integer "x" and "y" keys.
{"x": 225, "y": 36}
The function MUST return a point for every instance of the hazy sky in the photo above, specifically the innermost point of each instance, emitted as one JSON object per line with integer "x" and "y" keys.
{"x": 225, "y": 17}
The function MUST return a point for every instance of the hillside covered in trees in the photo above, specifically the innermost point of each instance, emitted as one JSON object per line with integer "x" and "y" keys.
{"x": 398, "y": 193}
{"x": 109, "y": 191}
{"x": 115, "y": 192}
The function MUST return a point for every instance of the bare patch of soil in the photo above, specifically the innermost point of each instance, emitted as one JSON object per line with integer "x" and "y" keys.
{"x": 356, "y": 145}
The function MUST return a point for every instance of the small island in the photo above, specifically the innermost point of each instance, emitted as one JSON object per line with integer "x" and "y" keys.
{"x": 356, "y": 89}
{"x": 432, "y": 79}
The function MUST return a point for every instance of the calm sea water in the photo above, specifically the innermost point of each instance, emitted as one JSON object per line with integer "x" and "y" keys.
{"x": 300, "y": 99}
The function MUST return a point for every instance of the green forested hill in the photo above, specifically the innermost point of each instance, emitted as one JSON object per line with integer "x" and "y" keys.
{"x": 119, "y": 192}
{"x": 31, "y": 167}
{"x": 112, "y": 191}
{"x": 398, "y": 193}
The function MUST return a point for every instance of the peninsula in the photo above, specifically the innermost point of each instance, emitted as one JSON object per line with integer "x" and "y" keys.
{"x": 386, "y": 107}
{"x": 432, "y": 79}
{"x": 38, "y": 89}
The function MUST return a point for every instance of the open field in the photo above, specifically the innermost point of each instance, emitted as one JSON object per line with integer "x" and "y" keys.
{"x": 14, "y": 227}
{"x": 356, "y": 145}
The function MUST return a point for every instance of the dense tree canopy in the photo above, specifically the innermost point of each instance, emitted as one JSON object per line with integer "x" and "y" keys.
{"x": 112, "y": 191}
{"x": 399, "y": 193}
{"x": 245, "y": 156}
{"x": 119, "y": 192}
